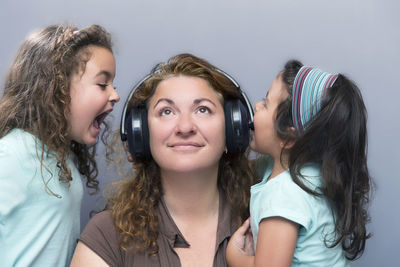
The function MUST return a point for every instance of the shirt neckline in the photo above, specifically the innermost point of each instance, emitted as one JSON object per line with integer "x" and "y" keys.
{"x": 174, "y": 236}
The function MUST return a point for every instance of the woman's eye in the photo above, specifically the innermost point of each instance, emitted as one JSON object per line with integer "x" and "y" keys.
{"x": 165, "y": 112}
{"x": 204, "y": 110}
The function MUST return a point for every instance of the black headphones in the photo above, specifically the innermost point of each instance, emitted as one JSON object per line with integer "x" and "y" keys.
{"x": 238, "y": 122}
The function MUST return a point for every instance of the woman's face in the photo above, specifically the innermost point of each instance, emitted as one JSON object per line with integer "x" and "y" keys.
{"x": 186, "y": 125}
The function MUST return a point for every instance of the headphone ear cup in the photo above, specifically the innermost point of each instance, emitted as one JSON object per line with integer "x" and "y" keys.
{"x": 236, "y": 126}
{"x": 138, "y": 134}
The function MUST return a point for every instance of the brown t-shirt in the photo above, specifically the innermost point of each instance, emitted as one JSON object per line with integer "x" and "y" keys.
{"x": 101, "y": 236}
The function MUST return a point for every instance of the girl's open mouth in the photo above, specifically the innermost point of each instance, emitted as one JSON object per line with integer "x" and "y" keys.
{"x": 99, "y": 119}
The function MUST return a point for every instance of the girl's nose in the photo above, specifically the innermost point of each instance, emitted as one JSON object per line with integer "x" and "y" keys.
{"x": 114, "y": 96}
{"x": 258, "y": 105}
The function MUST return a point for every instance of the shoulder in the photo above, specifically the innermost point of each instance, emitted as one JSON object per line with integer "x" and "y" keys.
{"x": 102, "y": 221}
{"x": 282, "y": 197}
{"x": 16, "y": 156}
{"x": 101, "y": 236}
{"x": 289, "y": 190}
{"x": 100, "y": 232}
{"x": 19, "y": 143}
{"x": 311, "y": 176}
{"x": 15, "y": 136}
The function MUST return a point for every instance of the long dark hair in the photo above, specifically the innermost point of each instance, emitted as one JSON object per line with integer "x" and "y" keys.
{"x": 336, "y": 138}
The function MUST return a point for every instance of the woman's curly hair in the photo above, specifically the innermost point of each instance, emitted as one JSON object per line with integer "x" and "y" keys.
{"x": 37, "y": 93}
{"x": 134, "y": 200}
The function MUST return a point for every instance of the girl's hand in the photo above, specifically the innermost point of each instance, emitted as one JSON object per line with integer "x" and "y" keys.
{"x": 243, "y": 239}
{"x": 240, "y": 250}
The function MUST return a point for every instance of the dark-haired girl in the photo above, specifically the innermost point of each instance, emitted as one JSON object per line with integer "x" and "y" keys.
{"x": 310, "y": 207}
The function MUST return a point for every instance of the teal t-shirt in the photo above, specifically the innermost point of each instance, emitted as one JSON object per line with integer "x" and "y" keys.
{"x": 281, "y": 197}
{"x": 36, "y": 228}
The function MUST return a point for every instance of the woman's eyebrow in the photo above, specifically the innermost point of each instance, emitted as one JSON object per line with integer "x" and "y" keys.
{"x": 199, "y": 100}
{"x": 169, "y": 101}
{"x": 195, "y": 102}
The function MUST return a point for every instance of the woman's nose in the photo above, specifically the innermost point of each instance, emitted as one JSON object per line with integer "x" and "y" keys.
{"x": 186, "y": 125}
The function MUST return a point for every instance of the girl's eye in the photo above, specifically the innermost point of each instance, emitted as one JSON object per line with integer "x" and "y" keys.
{"x": 204, "y": 110}
{"x": 103, "y": 85}
{"x": 264, "y": 101}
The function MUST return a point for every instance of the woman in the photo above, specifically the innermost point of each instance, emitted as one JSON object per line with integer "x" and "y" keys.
{"x": 183, "y": 203}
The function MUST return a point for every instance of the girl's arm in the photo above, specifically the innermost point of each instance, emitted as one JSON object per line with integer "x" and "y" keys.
{"x": 84, "y": 256}
{"x": 276, "y": 243}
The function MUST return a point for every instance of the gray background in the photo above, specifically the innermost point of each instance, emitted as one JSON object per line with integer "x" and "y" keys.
{"x": 251, "y": 40}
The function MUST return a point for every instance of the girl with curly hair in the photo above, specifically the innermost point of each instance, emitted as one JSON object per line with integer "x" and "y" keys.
{"x": 57, "y": 94}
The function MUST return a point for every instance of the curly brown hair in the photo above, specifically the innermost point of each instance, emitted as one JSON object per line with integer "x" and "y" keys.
{"x": 37, "y": 93}
{"x": 133, "y": 200}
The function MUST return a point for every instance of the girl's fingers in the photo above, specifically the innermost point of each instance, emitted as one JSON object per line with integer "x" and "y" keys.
{"x": 245, "y": 227}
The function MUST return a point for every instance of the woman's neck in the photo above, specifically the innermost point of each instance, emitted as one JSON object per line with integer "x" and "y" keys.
{"x": 191, "y": 194}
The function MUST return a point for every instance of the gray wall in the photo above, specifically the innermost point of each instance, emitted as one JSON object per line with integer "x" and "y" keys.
{"x": 251, "y": 40}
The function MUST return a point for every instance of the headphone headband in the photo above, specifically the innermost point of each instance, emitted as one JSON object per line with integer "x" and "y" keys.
{"x": 246, "y": 99}
{"x": 238, "y": 121}
{"x": 124, "y": 135}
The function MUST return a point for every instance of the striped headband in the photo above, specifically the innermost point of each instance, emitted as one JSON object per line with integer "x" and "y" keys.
{"x": 309, "y": 89}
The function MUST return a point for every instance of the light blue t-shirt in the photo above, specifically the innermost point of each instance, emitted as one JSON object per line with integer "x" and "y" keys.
{"x": 36, "y": 228}
{"x": 281, "y": 197}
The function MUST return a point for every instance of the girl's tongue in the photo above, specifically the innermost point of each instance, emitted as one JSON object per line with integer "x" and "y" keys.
{"x": 96, "y": 124}
{"x": 99, "y": 119}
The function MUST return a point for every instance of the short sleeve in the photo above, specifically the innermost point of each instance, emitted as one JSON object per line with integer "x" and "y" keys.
{"x": 101, "y": 236}
{"x": 283, "y": 198}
